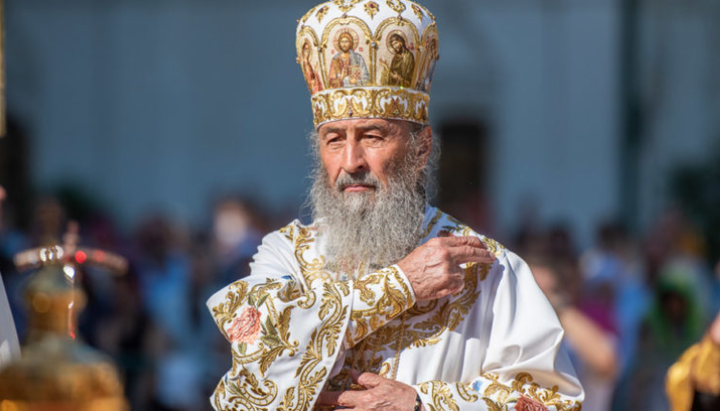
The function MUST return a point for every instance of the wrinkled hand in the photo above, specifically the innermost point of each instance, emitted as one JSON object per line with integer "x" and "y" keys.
{"x": 433, "y": 269}
{"x": 380, "y": 394}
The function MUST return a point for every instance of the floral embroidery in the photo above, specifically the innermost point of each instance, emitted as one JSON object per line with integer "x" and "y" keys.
{"x": 246, "y": 327}
{"x": 527, "y": 404}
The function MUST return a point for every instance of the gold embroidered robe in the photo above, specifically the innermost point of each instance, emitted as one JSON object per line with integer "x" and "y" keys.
{"x": 295, "y": 329}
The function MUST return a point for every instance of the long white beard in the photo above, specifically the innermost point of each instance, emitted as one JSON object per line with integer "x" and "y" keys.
{"x": 369, "y": 229}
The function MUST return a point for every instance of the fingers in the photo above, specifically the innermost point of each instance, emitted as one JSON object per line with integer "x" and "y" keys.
{"x": 338, "y": 398}
{"x": 466, "y": 249}
{"x": 366, "y": 379}
{"x": 458, "y": 241}
{"x": 468, "y": 254}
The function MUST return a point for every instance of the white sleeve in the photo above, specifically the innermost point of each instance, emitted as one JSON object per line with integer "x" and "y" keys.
{"x": 525, "y": 366}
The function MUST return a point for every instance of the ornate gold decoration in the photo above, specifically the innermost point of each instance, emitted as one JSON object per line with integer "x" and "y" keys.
{"x": 302, "y": 241}
{"x": 397, "y": 5}
{"x": 275, "y": 336}
{"x": 346, "y": 5}
{"x": 383, "y": 82}
{"x": 333, "y": 315}
{"x": 321, "y": 13}
{"x": 400, "y": 104}
{"x": 497, "y": 395}
{"x": 392, "y": 303}
{"x": 417, "y": 10}
{"x": 442, "y": 398}
{"x": 466, "y": 392}
{"x": 371, "y": 8}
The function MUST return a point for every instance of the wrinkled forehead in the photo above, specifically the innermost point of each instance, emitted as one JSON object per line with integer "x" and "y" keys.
{"x": 400, "y": 127}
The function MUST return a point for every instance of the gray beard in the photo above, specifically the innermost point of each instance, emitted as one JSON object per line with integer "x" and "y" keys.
{"x": 368, "y": 230}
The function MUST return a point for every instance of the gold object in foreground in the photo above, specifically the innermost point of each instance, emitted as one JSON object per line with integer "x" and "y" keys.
{"x": 57, "y": 372}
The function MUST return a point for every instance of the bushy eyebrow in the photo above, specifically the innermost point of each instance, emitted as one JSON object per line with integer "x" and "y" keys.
{"x": 371, "y": 127}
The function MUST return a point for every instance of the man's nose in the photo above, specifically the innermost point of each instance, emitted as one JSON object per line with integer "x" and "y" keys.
{"x": 354, "y": 160}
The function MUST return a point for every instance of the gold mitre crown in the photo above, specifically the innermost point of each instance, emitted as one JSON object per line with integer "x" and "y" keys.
{"x": 368, "y": 59}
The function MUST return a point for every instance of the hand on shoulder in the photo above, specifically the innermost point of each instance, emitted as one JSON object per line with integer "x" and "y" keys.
{"x": 433, "y": 268}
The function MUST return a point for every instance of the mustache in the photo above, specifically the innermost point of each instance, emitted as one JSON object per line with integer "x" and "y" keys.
{"x": 361, "y": 177}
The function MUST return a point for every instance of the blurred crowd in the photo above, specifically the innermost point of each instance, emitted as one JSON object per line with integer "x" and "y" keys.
{"x": 630, "y": 306}
{"x": 152, "y": 320}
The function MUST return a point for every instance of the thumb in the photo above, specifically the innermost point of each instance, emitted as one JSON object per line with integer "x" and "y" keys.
{"x": 366, "y": 379}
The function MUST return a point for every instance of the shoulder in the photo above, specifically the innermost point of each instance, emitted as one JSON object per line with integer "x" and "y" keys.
{"x": 291, "y": 234}
{"x": 284, "y": 250}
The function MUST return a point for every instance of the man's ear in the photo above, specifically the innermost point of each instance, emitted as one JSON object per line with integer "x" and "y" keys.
{"x": 426, "y": 146}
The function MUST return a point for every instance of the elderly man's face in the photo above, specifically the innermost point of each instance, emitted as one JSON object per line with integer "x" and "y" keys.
{"x": 353, "y": 147}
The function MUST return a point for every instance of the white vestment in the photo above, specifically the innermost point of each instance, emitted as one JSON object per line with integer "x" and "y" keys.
{"x": 9, "y": 348}
{"x": 296, "y": 329}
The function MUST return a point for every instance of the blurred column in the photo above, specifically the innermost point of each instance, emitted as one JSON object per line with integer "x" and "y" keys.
{"x": 631, "y": 114}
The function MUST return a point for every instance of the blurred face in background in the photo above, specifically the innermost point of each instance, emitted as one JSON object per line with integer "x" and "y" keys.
{"x": 231, "y": 224}
{"x": 545, "y": 278}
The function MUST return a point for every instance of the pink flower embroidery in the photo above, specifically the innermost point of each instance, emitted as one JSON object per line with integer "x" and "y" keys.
{"x": 246, "y": 327}
{"x": 526, "y": 404}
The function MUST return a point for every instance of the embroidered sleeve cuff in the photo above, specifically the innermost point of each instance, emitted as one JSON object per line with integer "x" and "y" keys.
{"x": 402, "y": 278}
{"x": 378, "y": 298}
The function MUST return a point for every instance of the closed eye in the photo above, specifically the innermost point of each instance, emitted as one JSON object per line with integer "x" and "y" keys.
{"x": 334, "y": 141}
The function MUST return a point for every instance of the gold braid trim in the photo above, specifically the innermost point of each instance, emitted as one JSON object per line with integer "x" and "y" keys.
{"x": 370, "y": 102}
{"x": 498, "y": 395}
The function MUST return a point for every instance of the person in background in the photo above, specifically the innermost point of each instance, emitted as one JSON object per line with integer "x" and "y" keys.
{"x": 592, "y": 347}
{"x": 236, "y": 236}
{"x": 675, "y": 321}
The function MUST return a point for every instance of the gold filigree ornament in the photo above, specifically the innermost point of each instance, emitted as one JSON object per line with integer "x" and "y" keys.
{"x": 397, "y": 5}
{"x": 372, "y": 8}
{"x": 418, "y": 11}
{"x": 321, "y": 13}
{"x": 346, "y": 5}
{"x": 370, "y": 61}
